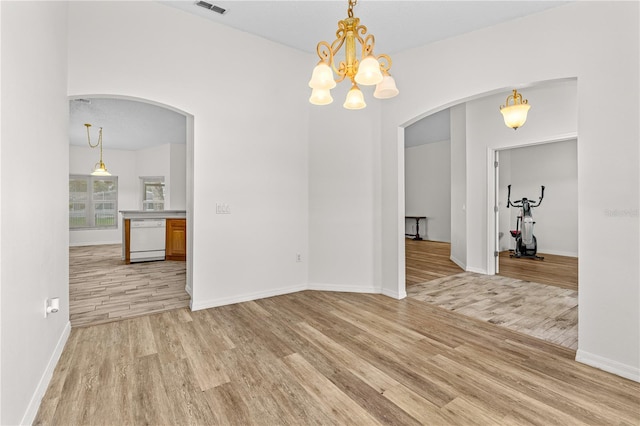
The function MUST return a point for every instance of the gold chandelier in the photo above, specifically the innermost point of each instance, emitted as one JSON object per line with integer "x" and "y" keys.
{"x": 369, "y": 70}
{"x": 515, "y": 115}
{"x": 99, "y": 169}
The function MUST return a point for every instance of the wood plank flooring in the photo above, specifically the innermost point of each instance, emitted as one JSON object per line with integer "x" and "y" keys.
{"x": 558, "y": 271}
{"x": 430, "y": 260}
{"x": 538, "y": 298}
{"x": 103, "y": 288}
{"x": 325, "y": 358}
{"x": 543, "y": 311}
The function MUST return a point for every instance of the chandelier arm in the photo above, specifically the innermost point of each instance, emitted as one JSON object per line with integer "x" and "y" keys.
{"x": 367, "y": 43}
{"x": 335, "y": 48}
{"x": 385, "y": 62}
{"x": 324, "y": 52}
{"x": 341, "y": 71}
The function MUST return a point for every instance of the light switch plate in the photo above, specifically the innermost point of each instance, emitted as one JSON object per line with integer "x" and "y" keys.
{"x": 223, "y": 208}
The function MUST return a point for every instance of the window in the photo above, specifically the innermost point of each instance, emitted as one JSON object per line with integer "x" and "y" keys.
{"x": 93, "y": 202}
{"x": 152, "y": 193}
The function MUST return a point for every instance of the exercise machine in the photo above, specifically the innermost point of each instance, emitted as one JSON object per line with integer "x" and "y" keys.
{"x": 526, "y": 243}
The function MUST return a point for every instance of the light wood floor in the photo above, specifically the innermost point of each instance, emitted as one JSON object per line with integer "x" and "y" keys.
{"x": 325, "y": 358}
{"x": 558, "y": 271}
{"x": 103, "y": 288}
{"x": 539, "y": 310}
{"x": 538, "y": 298}
{"x": 430, "y": 260}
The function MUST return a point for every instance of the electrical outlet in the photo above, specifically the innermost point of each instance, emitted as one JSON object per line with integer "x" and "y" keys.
{"x": 298, "y": 257}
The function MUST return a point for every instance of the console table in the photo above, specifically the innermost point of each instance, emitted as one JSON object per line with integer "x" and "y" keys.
{"x": 416, "y": 236}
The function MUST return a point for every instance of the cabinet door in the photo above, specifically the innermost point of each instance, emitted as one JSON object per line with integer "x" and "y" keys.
{"x": 176, "y": 239}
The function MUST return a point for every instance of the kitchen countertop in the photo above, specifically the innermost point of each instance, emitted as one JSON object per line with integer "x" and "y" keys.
{"x": 161, "y": 214}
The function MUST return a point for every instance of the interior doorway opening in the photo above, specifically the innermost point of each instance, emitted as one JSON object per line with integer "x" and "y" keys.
{"x": 554, "y": 223}
{"x": 141, "y": 136}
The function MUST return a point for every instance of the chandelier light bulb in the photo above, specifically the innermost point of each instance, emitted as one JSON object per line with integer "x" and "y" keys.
{"x": 322, "y": 77}
{"x": 386, "y": 88}
{"x": 369, "y": 72}
{"x": 320, "y": 97}
{"x": 355, "y": 99}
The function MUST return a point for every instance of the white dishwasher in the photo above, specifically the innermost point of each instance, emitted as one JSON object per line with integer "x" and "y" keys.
{"x": 147, "y": 239}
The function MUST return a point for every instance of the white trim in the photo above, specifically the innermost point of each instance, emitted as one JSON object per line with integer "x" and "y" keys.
{"x": 36, "y": 399}
{"x": 477, "y": 270}
{"x": 223, "y": 301}
{"x": 93, "y": 243}
{"x": 395, "y": 295}
{"x": 459, "y": 263}
{"x": 344, "y": 288}
{"x": 627, "y": 371}
{"x": 401, "y": 222}
{"x": 559, "y": 253}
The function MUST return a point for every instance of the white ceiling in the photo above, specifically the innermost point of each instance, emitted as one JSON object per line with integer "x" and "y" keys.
{"x": 301, "y": 24}
{"x": 397, "y": 25}
{"x": 127, "y": 124}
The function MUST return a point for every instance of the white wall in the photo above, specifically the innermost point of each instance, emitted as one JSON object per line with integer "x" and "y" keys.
{"x": 341, "y": 187}
{"x": 177, "y": 185}
{"x": 250, "y": 134}
{"x": 427, "y": 171}
{"x": 459, "y": 185}
{"x": 555, "y": 166}
{"x": 583, "y": 40}
{"x": 34, "y": 211}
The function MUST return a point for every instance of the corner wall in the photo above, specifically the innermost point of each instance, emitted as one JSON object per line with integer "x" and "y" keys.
{"x": 34, "y": 209}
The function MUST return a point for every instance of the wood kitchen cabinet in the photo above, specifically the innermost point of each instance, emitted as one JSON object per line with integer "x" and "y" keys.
{"x": 176, "y": 241}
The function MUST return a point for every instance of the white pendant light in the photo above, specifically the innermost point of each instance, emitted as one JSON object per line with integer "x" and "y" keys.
{"x": 355, "y": 99}
{"x": 386, "y": 88}
{"x": 515, "y": 115}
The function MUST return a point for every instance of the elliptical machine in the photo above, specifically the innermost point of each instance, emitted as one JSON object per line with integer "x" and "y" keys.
{"x": 526, "y": 243}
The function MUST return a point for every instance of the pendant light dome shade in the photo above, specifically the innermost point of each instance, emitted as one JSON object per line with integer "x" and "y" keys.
{"x": 386, "y": 88}
{"x": 320, "y": 97}
{"x": 355, "y": 99}
{"x": 322, "y": 77}
{"x": 369, "y": 72}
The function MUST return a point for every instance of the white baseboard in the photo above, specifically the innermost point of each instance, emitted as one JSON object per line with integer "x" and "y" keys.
{"x": 395, "y": 294}
{"x": 36, "y": 399}
{"x": 94, "y": 243}
{"x": 245, "y": 297}
{"x": 343, "y": 288}
{"x": 476, "y": 270}
{"x": 623, "y": 370}
{"x": 459, "y": 263}
{"x": 558, "y": 253}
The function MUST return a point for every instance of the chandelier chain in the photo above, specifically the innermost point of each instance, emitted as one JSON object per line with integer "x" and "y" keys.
{"x": 352, "y": 3}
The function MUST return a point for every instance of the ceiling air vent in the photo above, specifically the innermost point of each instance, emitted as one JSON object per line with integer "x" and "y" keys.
{"x": 211, "y": 7}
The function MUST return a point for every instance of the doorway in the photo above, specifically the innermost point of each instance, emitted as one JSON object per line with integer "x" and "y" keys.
{"x": 141, "y": 138}
{"x": 527, "y": 169}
